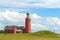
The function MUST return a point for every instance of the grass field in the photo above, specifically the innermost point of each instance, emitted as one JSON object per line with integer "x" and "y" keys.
{"x": 42, "y": 35}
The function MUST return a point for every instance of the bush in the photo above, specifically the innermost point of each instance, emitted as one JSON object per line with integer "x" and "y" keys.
{"x": 1, "y": 31}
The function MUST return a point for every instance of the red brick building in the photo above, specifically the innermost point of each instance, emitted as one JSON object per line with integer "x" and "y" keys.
{"x": 14, "y": 29}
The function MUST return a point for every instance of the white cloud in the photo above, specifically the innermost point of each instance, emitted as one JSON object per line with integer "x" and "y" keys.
{"x": 1, "y": 17}
{"x": 38, "y": 22}
{"x": 1, "y": 26}
{"x": 30, "y": 3}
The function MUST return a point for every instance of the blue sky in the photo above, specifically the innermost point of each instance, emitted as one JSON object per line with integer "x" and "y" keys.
{"x": 54, "y": 12}
{"x": 45, "y": 14}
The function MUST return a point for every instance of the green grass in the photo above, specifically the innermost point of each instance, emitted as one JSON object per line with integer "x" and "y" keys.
{"x": 41, "y": 35}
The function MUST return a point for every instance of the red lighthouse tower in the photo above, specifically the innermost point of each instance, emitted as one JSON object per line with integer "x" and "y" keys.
{"x": 28, "y": 23}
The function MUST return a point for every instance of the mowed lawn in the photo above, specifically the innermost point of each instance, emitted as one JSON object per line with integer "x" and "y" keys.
{"x": 28, "y": 37}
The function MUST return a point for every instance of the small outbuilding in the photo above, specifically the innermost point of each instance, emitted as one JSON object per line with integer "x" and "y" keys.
{"x": 14, "y": 29}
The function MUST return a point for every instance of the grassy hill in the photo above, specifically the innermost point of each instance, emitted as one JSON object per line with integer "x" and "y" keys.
{"x": 41, "y": 35}
{"x": 45, "y": 33}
